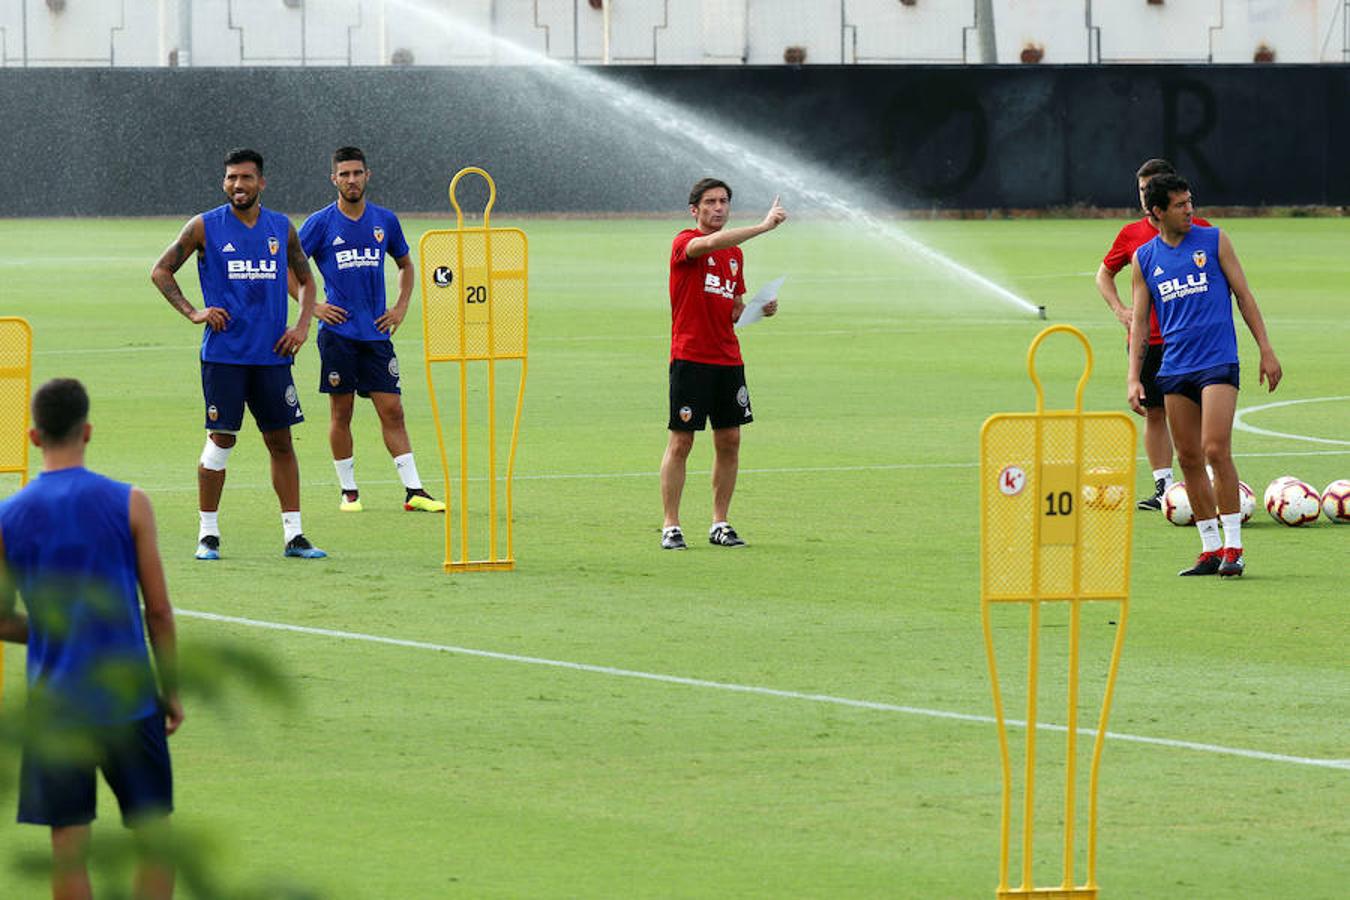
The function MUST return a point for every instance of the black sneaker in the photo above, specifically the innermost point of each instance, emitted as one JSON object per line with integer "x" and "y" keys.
{"x": 301, "y": 547}
{"x": 725, "y": 536}
{"x": 1154, "y": 502}
{"x": 1233, "y": 564}
{"x": 208, "y": 546}
{"x": 1207, "y": 564}
{"x": 673, "y": 539}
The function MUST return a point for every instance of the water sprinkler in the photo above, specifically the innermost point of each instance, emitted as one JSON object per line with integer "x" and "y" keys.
{"x": 1040, "y": 313}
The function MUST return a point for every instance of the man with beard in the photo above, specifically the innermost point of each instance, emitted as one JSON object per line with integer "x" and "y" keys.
{"x": 247, "y": 348}
{"x": 349, "y": 241}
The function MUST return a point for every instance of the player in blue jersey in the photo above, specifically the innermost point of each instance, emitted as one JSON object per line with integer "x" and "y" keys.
{"x": 80, "y": 549}
{"x": 1188, "y": 274}
{"x": 349, "y": 241}
{"x": 247, "y": 348}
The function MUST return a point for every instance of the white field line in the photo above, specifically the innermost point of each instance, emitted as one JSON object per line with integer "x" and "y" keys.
{"x": 758, "y": 691}
{"x": 1241, "y": 425}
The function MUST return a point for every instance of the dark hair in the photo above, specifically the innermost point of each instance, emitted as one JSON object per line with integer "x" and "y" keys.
{"x": 348, "y": 154}
{"x": 60, "y": 407}
{"x": 1160, "y": 188}
{"x": 1155, "y": 167}
{"x": 244, "y": 155}
{"x": 703, "y": 186}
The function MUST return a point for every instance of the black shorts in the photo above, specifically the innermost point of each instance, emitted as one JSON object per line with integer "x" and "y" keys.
{"x": 702, "y": 391}
{"x": 1148, "y": 376}
{"x": 268, "y": 391}
{"x": 1191, "y": 384}
{"x": 346, "y": 365}
{"x": 60, "y": 791}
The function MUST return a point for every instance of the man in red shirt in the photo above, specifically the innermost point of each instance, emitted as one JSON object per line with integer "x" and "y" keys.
{"x": 1157, "y": 441}
{"x": 707, "y": 375}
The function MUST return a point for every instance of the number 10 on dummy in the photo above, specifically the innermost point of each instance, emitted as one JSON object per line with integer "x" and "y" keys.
{"x": 474, "y": 303}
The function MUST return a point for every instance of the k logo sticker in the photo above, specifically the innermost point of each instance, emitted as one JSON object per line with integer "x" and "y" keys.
{"x": 443, "y": 276}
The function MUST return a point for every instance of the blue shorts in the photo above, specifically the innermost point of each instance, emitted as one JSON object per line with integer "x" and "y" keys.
{"x": 268, "y": 391}
{"x": 346, "y": 365}
{"x": 1190, "y": 384}
{"x": 61, "y": 791}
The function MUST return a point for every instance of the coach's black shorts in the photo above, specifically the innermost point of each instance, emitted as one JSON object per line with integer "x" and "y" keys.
{"x": 1148, "y": 375}
{"x": 702, "y": 391}
{"x": 59, "y": 789}
{"x": 346, "y": 365}
{"x": 268, "y": 391}
{"x": 1191, "y": 384}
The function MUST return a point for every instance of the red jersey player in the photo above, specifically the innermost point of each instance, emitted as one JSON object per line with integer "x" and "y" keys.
{"x": 1157, "y": 441}
{"x": 707, "y": 376}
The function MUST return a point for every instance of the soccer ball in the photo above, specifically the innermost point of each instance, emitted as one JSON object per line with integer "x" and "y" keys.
{"x": 1273, "y": 489}
{"x": 1336, "y": 501}
{"x": 1177, "y": 505}
{"x": 1247, "y": 499}
{"x": 1295, "y": 503}
{"x": 1101, "y": 496}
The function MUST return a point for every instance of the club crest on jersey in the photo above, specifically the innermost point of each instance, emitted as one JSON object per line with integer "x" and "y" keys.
{"x": 1198, "y": 257}
{"x": 743, "y": 396}
{"x": 334, "y": 379}
{"x": 686, "y": 414}
{"x": 212, "y": 413}
{"x": 291, "y": 398}
{"x": 273, "y": 245}
{"x": 734, "y": 267}
{"x": 379, "y": 235}
{"x": 711, "y": 261}
{"x": 393, "y": 366}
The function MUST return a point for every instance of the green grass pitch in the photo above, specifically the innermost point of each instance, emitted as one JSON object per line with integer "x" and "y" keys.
{"x": 410, "y": 771}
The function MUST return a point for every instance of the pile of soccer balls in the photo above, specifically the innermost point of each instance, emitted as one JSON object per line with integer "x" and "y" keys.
{"x": 1289, "y": 500}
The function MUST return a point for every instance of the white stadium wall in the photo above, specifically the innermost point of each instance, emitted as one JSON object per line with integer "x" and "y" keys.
{"x": 141, "y": 33}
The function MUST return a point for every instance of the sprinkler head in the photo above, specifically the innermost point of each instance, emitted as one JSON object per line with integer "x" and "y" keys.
{"x": 1040, "y": 313}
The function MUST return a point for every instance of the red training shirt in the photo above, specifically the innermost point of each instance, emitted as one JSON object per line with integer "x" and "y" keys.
{"x": 1131, "y": 238}
{"x": 703, "y": 291}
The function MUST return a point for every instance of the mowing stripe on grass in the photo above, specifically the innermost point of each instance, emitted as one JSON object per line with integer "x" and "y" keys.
{"x": 752, "y": 689}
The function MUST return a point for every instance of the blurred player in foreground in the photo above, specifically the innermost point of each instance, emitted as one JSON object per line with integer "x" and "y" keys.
{"x": 1157, "y": 442}
{"x": 247, "y": 350}
{"x": 1188, "y": 273}
{"x": 707, "y": 375}
{"x": 78, "y": 547}
{"x": 349, "y": 241}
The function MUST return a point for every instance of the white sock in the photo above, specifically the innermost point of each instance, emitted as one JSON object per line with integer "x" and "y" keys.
{"x": 717, "y": 525}
{"x": 667, "y": 529}
{"x": 1209, "y": 534}
{"x": 407, "y": 472}
{"x": 346, "y": 472}
{"x": 1165, "y": 475}
{"x": 210, "y": 524}
{"x": 1232, "y": 529}
{"x": 290, "y": 524}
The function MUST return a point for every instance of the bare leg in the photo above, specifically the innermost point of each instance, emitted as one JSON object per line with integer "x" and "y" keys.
{"x": 1216, "y": 437}
{"x": 340, "y": 424}
{"x": 1157, "y": 442}
{"x": 285, "y": 468}
{"x": 1184, "y": 418}
{"x": 389, "y": 407}
{"x": 155, "y": 870}
{"x": 210, "y": 482}
{"x": 70, "y": 876}
{"x": 672, "y": 473}
{"x": 727, "y": 462}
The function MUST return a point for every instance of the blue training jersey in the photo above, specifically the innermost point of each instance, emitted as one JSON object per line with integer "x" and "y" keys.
{"x": 1193, "y": 301}
{"x": 350, "y": 255}
{"x": 243, "y": 270}
{"x": 69, "y": 550}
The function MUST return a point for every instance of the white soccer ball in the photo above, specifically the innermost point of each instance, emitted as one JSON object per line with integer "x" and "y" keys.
{"x": 1336, "y": 501}
{"x": 1177, "y": 505}
{"x": 1295, "y": 503}
{"x": 1273, "y": 489}
{"x": 1247, "y": 499}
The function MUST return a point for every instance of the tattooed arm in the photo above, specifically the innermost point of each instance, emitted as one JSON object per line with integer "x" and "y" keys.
{"x": 190, "y": 240}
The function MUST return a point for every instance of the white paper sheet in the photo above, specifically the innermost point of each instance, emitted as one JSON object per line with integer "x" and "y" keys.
{"x": 754, "y": 308}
